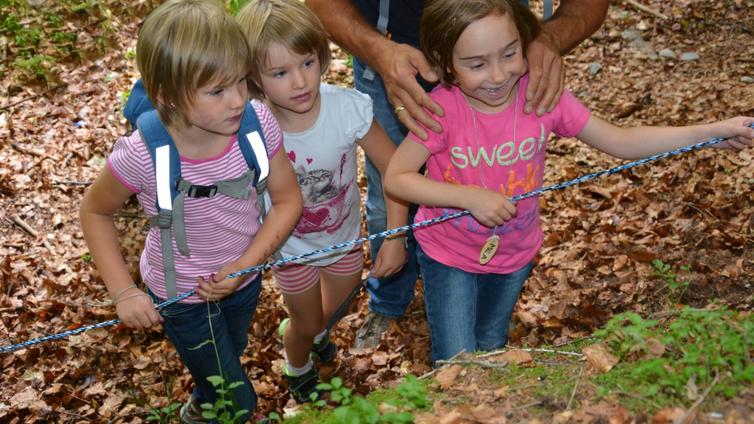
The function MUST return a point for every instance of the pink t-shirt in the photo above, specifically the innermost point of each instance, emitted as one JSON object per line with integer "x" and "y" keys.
{"x": 491, "y": 156}
{"x": 219, "y": 229}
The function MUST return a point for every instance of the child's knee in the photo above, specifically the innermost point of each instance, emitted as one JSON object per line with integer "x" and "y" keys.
{"x": 306, "y": 328}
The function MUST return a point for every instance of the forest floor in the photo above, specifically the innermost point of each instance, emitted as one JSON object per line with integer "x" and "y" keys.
{"x": 61, "y": 96}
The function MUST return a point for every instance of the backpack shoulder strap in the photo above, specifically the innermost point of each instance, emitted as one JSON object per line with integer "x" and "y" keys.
{"x": 165, "y": 159}
{"x": 251, "y": 142}
{"x": 137, "y": 104}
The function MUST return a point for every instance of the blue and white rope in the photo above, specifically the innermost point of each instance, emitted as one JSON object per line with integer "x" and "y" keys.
{"x": 560, "y": 186}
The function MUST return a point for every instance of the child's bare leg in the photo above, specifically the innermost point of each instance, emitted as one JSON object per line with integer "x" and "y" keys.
{"x": 335, "y": 290}
{"x": 306, "y": 321}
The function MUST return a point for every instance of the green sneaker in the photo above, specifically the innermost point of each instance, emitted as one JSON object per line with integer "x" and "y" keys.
{"x": 324, "y": 352}
{"x": 303, "y": 387}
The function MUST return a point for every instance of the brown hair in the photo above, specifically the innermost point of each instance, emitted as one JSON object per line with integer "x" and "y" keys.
{"x": 184, "y": 45}
{"x": 288, "y": 22}
{"x": 443, "y": 22}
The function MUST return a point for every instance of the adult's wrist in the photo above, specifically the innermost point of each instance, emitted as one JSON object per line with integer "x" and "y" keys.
{"x": 375, "y": 50}
{"x": 551, "y": 39}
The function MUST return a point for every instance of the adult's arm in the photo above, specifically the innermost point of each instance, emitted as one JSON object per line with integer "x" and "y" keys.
{"x": 396, "y": 63}
{"x": 573, "y": 22}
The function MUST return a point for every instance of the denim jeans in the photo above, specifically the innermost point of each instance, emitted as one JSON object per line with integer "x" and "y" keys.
{"x": 468, "y": 311}
{"x": 389, "y": 296}
{"x": 188, "y": 328}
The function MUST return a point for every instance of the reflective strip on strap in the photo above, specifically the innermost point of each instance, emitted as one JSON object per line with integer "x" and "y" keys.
{"x": 162, "y": 175}
{"x": 257, "y": 145}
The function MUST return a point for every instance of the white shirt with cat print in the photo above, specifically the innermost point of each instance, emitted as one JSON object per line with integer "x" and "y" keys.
{"x": 324, "y": 158}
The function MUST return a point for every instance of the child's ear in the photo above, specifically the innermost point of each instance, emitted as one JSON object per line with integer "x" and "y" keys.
{"x": 161, "y": 100}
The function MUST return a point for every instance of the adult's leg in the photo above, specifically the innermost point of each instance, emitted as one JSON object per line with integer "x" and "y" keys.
{"x": 387, "y": 296}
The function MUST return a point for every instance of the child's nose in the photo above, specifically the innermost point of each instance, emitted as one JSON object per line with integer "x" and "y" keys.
{"x": 497, "y": 73}
{"x": 298, "y": 79}
{"x": 240, "y": 96}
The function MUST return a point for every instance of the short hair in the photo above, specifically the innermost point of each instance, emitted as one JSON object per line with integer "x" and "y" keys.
{"x": 443, "y": 22}
{"x": 288, "y": 22}
{"x": 184, "y": 45}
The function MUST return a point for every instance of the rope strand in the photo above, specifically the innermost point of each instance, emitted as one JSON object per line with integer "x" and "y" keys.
{"x": 388, "y": 233}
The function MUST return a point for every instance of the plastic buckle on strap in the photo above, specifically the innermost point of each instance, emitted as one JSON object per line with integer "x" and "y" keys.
{"x": 201, "y": 191}
{"x": 163, "y": 219}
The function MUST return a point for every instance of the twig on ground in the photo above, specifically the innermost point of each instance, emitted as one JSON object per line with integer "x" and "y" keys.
{"x": 527, "y": 405}
{"x": 26, "y": 227}
{"x": 23, "y": 225}
{"x": 27, "y": 150}
{"x": 430, "y": 373}
{"x": 8, "y": 106}
{"x": 688, "y": 417}
{"x": 647, "y": 9}
{"x": 481, "y": 364}
{"x": 580, "y": 339}
{"x": 575, "y": 387}
{"x": 501, "y": 351}
{"x": 71, "y": 182}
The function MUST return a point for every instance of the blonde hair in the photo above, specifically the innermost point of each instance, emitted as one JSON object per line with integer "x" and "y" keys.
{"x": 443, "y": 22}
{"x": 288, "y": 22}
{"x": 184, "y": 45}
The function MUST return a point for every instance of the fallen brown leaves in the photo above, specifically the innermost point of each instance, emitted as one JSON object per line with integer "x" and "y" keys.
{"x": 694, "y": 210}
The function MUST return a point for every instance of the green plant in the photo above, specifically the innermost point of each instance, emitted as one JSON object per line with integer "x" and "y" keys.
{"x": 224, "y": 409}
{"x": 626, "y": 332}
{"x": 397, "y": 404}
{"x": 163, "y": 414}
{"x": 27, "y": 37}
{"x": 235, "y": 5}
{"x": 339, "y": 393}
{"x": 665, "y": 271}
{"x": 670, "y": 362}
{"x": 36, "y": 66}
{"x": 10, "y": 24}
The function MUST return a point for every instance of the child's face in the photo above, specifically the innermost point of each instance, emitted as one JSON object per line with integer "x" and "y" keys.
{"x": 290, "y": 80}
{"x": 217, "y": 107}
{"x": 488, "y": 61}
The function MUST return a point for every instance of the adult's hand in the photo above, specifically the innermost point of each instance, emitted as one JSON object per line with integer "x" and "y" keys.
{"x": 398, "y": 68}
{"x": 546, "y": 75}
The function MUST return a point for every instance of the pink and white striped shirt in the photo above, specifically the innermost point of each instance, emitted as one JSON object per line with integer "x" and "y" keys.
{"x": 219, "y": 229}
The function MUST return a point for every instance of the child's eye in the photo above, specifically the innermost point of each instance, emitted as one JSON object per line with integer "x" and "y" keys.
{"x": 510, "y": 54}
{"x": 476, "y": 65}
{"x": 278, "y": 74}
{"x": 216, "y": 92}
{"x": 309, "y": 63}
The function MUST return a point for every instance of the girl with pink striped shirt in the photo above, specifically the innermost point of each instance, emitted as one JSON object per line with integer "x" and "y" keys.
{"x": 201, "y": 101}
